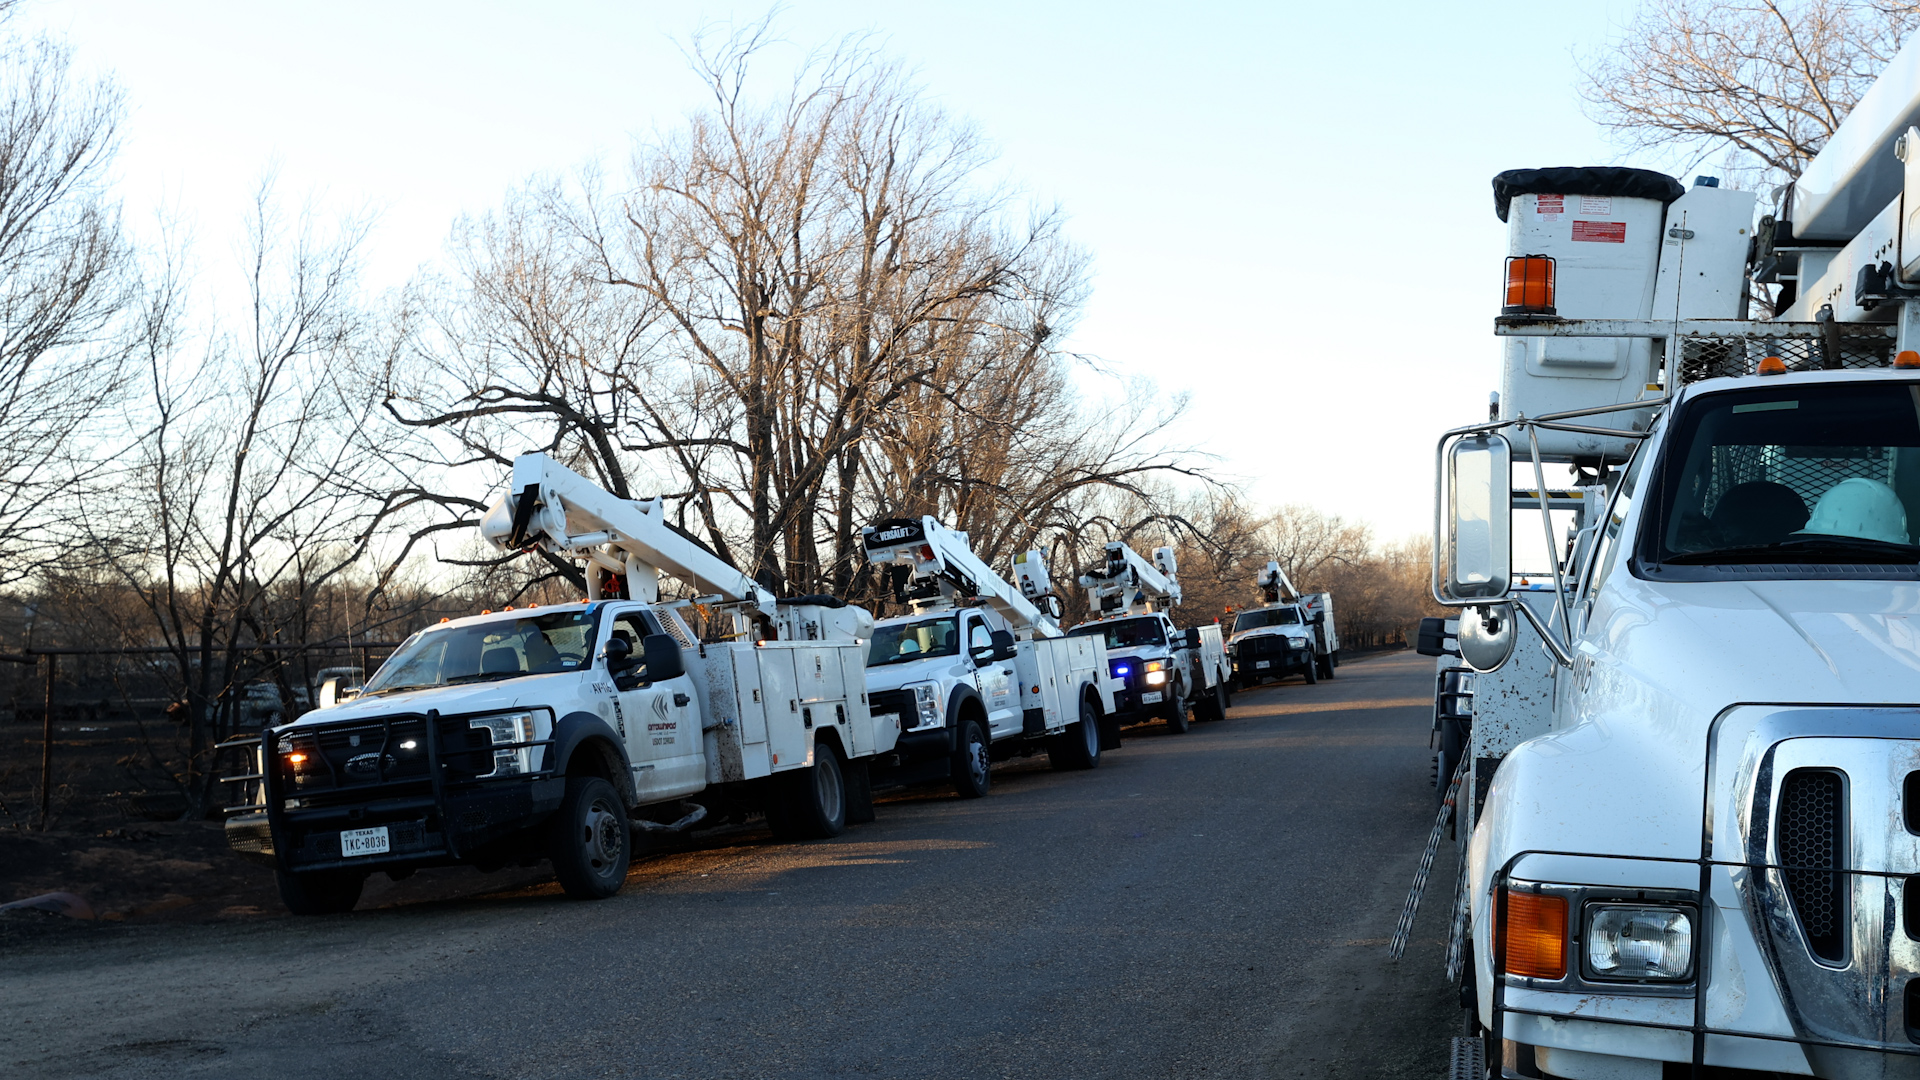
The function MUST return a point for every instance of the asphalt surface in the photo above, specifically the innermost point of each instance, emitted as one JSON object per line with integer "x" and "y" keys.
{"x": 1213, "y": 904}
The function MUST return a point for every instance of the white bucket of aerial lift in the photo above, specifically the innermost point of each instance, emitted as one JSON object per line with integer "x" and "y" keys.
{"x": 1618, "y": 257}
{"x": 1030, "y": 572}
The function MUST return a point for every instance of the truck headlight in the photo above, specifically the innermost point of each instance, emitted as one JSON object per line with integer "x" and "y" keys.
{"x": 505, "y": 729}
{"x": 1156, "y": 672}
{"x": 1634, "y": 941}
{"x": 1297, "y": 642}
{"x": 926, "y": 698}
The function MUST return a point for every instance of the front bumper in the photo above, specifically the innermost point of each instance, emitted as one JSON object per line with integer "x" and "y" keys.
{"x": 1280, "y": 660}
{"x": 436, "y": 808}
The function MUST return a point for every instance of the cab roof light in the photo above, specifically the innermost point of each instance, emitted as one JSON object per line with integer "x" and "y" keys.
{"x": 1529, "y": 285}
{"x": 1907, "y": 358}
{"x": 1535, "y": 936}
{"x": 1771, "y": 365}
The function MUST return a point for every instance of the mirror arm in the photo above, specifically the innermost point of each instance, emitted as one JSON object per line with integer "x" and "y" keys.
{"x": 1546, "y": 528}
{"x": 1555, "y": 648}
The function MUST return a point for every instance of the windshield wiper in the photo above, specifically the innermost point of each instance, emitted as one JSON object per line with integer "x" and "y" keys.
{"x": 486, "y": 676}
{"x": 1802, "y": 549}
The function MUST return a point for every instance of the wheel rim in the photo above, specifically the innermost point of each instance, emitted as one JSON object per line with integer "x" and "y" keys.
{"x": 601, "y": 838}
{"x": 827, "y": 790}
{"x": 977, "y": 763}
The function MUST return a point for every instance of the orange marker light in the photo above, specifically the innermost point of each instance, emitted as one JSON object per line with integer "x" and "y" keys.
{"x": 1772, "y": 365}
{"x": 296, "y": 758}
{"x": 444, "y": 618}
{"x": 486, "y": 611}
{"x": 1907, "y": 359}
{"x": 1529, "y": 286}
{"x": 1536, "y": 936}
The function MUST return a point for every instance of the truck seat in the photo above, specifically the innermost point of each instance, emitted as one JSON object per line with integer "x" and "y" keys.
{"x": 499, "y": 659}
{"x": 1758, "y": 512}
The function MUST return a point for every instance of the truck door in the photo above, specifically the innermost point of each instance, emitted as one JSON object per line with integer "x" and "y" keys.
{"x": 662, "y": 723}
{"x": 995, "y": 680}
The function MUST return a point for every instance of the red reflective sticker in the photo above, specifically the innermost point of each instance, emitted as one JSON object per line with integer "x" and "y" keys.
{"x": 1603, "y": 232}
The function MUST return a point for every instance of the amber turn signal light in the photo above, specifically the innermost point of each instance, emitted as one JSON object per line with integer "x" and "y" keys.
{"x": 1907, "y": 358}
{"x": 1535, "y": 936}
{"x": 1772, "y": 365}
{"x": 1529, "y": 285}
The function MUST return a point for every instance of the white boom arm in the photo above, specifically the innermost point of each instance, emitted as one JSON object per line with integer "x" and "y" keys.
{"x": 1275, "y": 586}
{"x": 549, "y": 506}
{"x": 1131, "y": 582}
{"x": 941, "y": 561}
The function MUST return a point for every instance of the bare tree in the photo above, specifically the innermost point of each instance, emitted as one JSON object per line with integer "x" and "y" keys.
{"x": 1769, "y": 79}
{"x": 67, "y": 282}
{"x": 254, "y": 485}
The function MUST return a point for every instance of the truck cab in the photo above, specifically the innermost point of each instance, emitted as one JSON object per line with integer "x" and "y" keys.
{"x": 935, "y": 670}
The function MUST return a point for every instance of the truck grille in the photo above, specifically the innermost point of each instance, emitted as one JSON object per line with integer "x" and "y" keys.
{"x": 1812, "y": 829}
{"x": 356, "y": 753}
{"x": 1262, "y": 645}
{"x": 899, "y": 702}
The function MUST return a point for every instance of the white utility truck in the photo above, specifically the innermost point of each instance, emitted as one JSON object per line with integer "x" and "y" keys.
{"x": 1163, "y": 671}
{"x": 1691, "y": 794}
{"x": 552, "y": 731}
{"x": 980, "y": 671}
{"x": 1290, "y": 634}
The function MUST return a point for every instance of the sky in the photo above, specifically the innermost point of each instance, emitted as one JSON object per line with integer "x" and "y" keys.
{"x": 1287, "y": 204}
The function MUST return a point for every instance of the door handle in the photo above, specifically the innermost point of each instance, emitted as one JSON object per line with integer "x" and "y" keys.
{"x": 680, "y": 700}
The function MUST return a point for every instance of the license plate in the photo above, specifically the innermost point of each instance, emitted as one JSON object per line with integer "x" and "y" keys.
{"x": 1259, "y": 664}
{"x": 364, "y": 842}
{"x": 1150, "y": 697}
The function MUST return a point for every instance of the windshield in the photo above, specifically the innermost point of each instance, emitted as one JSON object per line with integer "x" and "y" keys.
{"x": 503, "y": 649}
{"x": 1248, "y": 620}
{"x": 1125, "y": 633}
{"x": 913, "y": 641}
{"x": 1799, "y": 474}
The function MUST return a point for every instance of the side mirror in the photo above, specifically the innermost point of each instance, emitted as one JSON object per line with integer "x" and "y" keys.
{"x": 1478, "y": 544}
{"x": 619, "y": 655}
{"x": 663, "y": 659}
{"x": 1193, "y": 637}
{"x": 1433, "y": 638}
{"x": 329, "y": 693}
{"x": 1003, "y": 646}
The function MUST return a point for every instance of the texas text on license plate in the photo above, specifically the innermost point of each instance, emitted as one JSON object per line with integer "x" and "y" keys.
{"x": 364, "y": 842}
{"x": 1150, "y": 697}
{"x": 1259, "y": 663}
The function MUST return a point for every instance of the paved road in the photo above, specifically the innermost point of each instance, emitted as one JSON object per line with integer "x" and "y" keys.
{"x": 1214, "y": 904}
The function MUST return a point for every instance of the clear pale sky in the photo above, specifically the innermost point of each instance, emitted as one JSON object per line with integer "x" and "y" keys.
{"x": 1287, "y": 204}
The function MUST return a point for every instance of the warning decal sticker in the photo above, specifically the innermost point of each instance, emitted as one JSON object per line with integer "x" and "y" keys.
{"x": 1603, "y": 232}
{"x": 1549, "y": 205}
{"x": 1596, "y": 204}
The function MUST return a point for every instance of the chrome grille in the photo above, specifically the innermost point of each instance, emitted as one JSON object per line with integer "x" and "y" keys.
{"x": 1812, "y": 828}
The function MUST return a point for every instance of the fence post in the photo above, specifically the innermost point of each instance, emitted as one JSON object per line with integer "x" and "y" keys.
{"x": 46, "y": 747}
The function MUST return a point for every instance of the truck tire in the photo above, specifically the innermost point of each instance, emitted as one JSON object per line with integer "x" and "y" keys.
{"x": 811, "y": 803}
{"x": 588, "y": 839}
{"x": 1078, "y": 747}
{"x": 972, "y": 766}
{"x": 1453, "y": 742}
{"x": 1313, "y": 669}
{"x": 1216, "y": 702}
{"x": 323, "y": 892}
{"x": 1176, "y": 714}
{"x": 1326, "y": 666}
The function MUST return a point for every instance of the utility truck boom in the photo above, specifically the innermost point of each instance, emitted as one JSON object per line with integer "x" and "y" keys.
{"x": 1164, "y": 671}
{"x": 980, "y": 670}
{"x": 554, "y": 731}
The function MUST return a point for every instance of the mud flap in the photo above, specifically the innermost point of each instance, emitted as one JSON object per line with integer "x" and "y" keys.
{"x": 1110, "y": 732}
{"x": 859, "y": 787}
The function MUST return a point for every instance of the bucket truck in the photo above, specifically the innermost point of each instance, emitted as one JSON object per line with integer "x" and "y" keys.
{"x": 1291, "y": 634}
{"x": 980, "y": 671}
{"x": 1690, "y": 794}
{"x": 555, "y": 731}
{"x": 1165, "y": 671}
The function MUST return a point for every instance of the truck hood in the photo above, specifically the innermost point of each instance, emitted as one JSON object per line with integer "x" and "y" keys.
{"x": 1140, "y": 652}
{"x": 523, "y": 692}
{"x": 908, "y": 672}
{"x": 1715, "y": 643}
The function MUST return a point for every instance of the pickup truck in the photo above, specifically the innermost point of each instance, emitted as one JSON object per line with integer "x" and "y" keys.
{"x": 1164, "y": 671}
